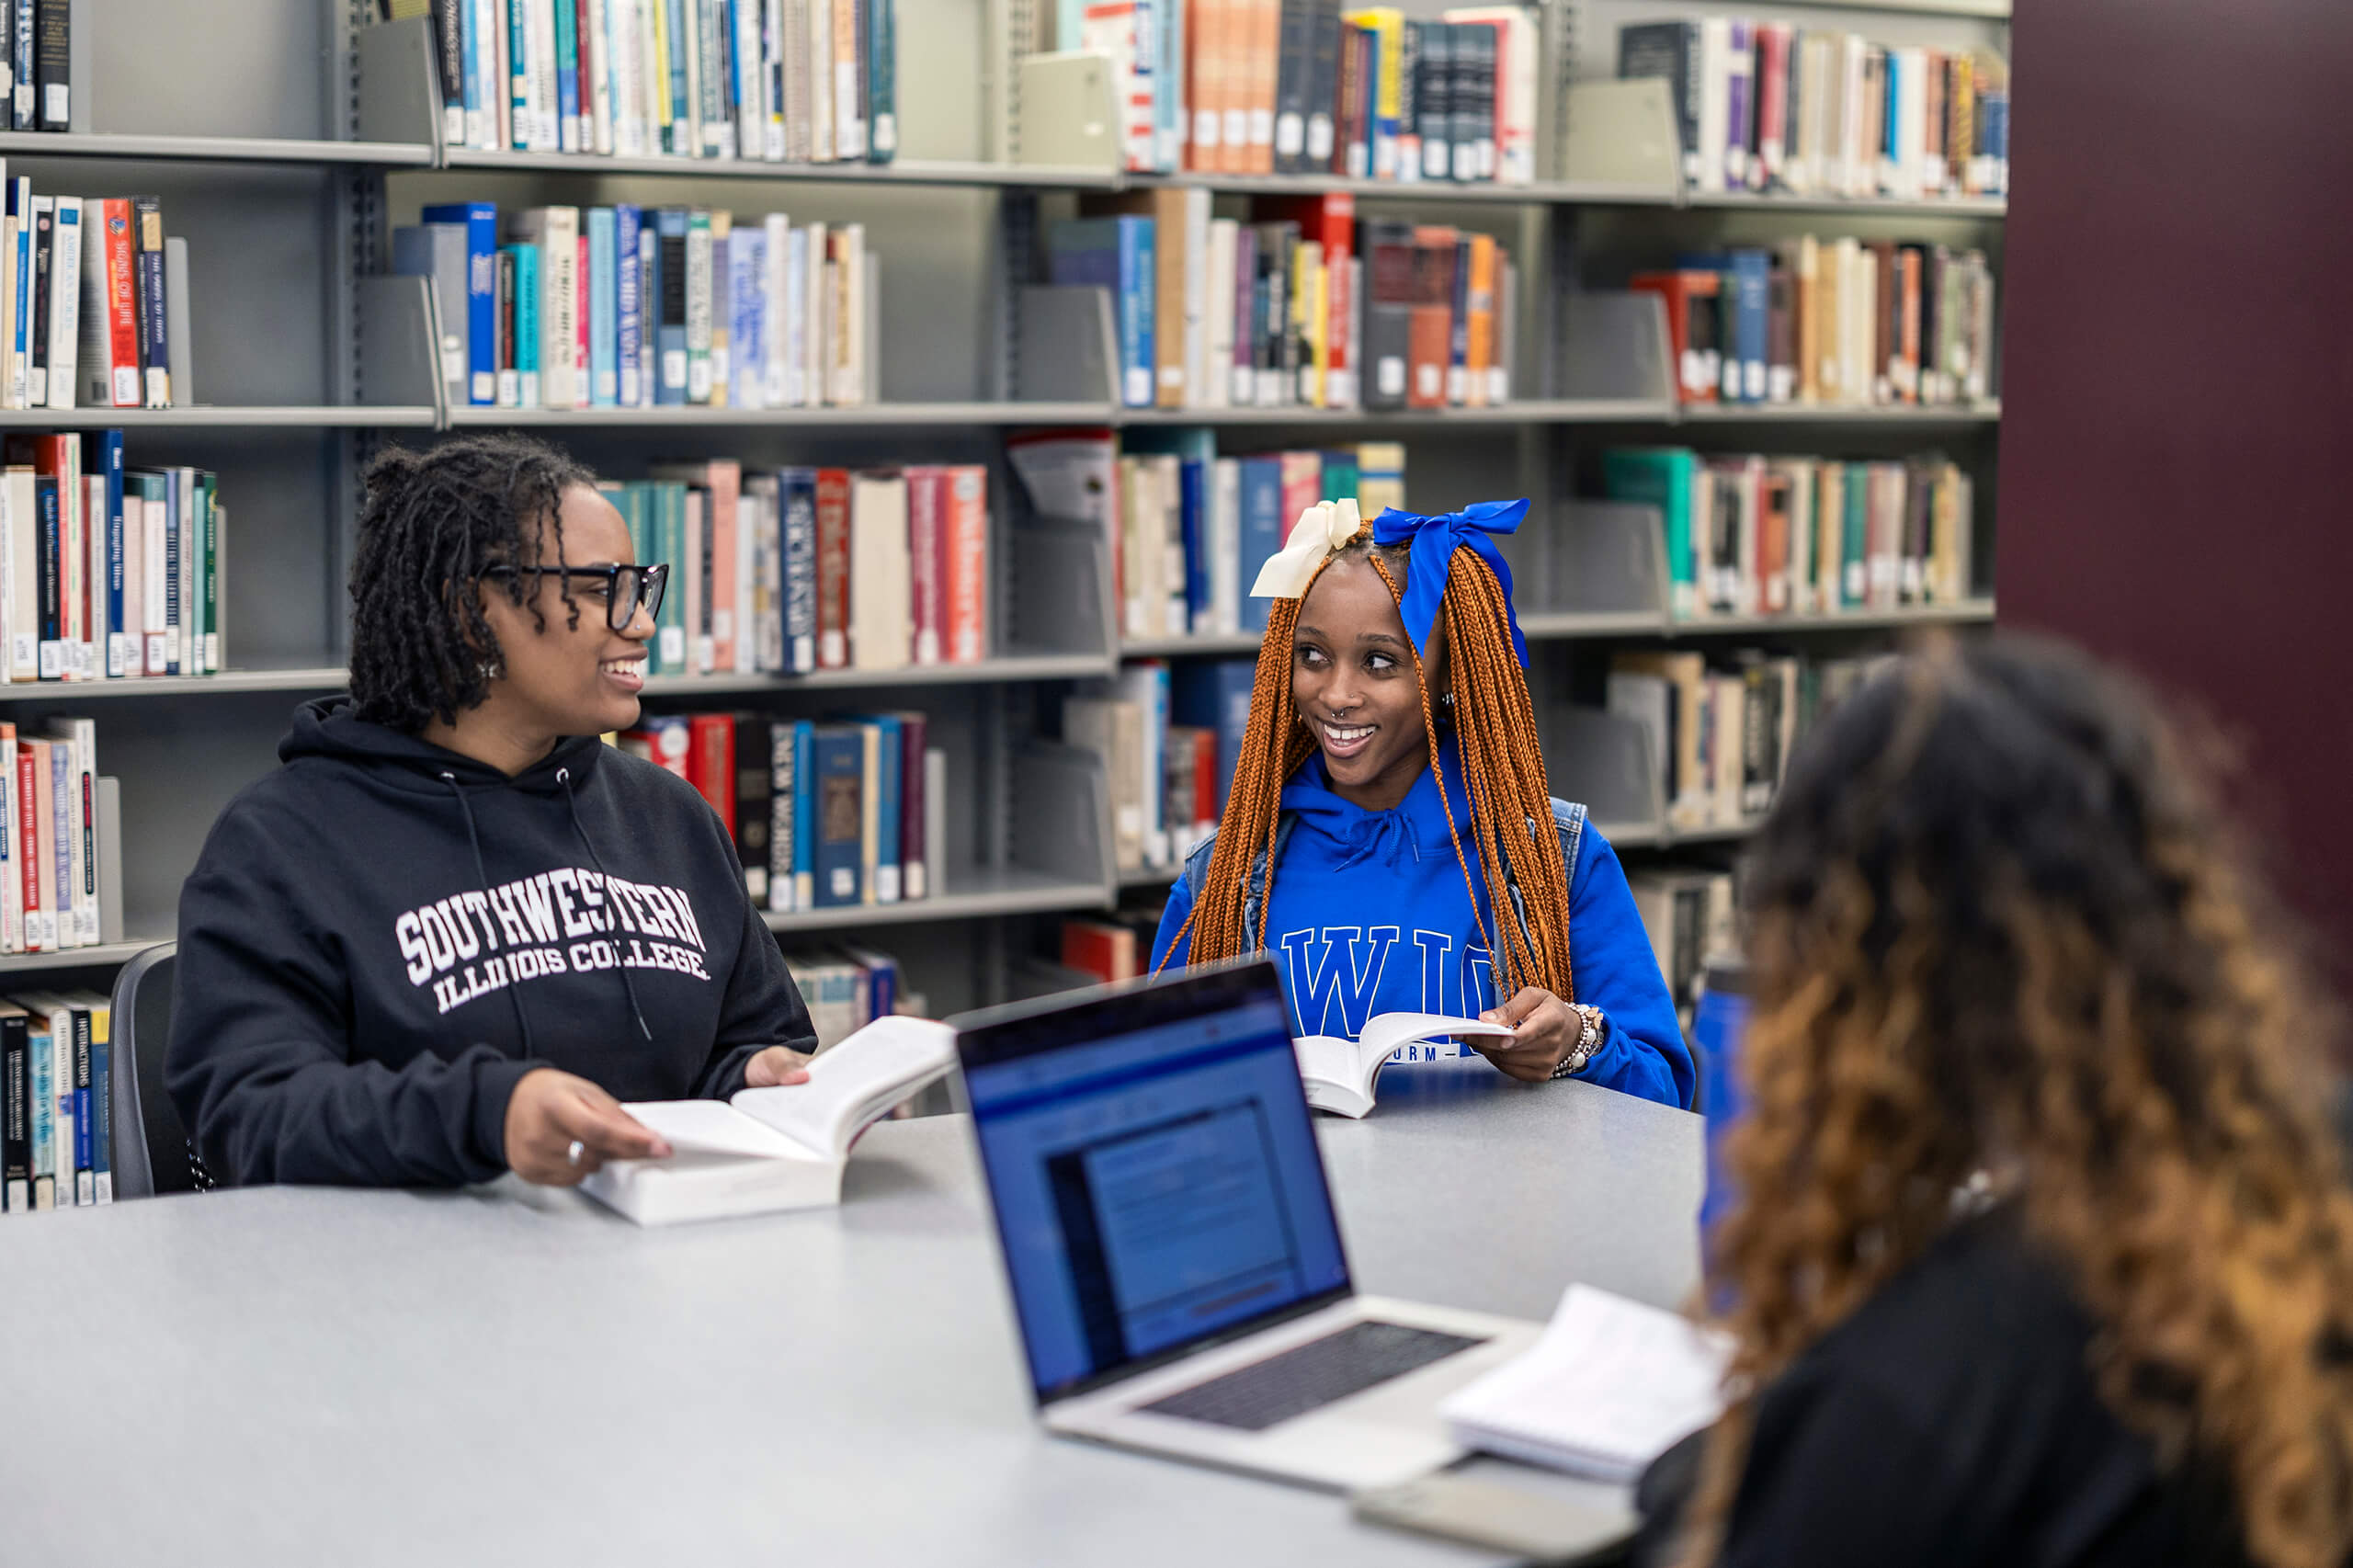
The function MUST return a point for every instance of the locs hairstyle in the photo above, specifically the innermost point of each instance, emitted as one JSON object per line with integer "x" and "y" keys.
{"x": 421, "y": 649}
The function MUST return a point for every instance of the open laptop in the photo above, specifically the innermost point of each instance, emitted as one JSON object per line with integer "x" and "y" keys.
{"x": 1168, "y": 1236}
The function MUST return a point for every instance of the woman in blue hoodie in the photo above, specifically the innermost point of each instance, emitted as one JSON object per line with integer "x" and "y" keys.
{"x": 1389, "y": 840}
{"x": 455, "y": 930}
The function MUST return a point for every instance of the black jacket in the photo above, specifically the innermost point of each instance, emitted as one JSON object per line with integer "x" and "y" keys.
{"x": 1953, "y": 1422}
{"x": 382, "y": 937}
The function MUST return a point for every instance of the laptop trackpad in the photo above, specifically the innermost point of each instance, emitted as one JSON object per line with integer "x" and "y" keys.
{"x": 1306, "y": 1379}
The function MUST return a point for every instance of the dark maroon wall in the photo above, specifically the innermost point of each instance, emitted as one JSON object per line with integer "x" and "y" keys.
{"x": 2176, "y": 450}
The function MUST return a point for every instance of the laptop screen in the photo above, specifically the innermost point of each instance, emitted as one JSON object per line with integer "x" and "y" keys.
{"x": 1153, "y": 1169}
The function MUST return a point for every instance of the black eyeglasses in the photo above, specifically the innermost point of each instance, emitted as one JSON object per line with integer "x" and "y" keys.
{"x": 623, "y": 588}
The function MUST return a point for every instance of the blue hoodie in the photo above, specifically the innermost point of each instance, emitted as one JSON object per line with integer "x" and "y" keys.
{"x": 1372, "y": 915}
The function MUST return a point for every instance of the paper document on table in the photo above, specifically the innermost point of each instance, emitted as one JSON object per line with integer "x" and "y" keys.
{"x": 1612, "y": 1385}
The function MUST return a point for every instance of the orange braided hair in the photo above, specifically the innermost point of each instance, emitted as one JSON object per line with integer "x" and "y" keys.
{"x": 1503, "y": 767}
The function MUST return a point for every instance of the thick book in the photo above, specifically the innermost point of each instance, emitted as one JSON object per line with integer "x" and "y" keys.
{"x": 1340, "y": 1074}
{"x": 773, "y": 1149}
{"x": 109, "y": 357}
{"x": 880, "y": 590}
{"x": 838, "y": 791}
{"x": 667, "y": 293}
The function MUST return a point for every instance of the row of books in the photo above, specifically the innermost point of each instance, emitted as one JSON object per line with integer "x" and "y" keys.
{"x": 56, "y": 1124}
{"x": 1303, "y": 86}
{"x": 793, "y": 570}
{"x": 1193, "y": 525}
{"x": 825, "y": 814}
{"x": 1844, "y": 321}
{"x": 773, "y": 81}
{"x": 1751, "y": 536}
{"x": 107, "y": 572}
{"x": 632, "y": 307}
{"x": 1722, "y": 733}
{"x": 93, "y": 302}
{"x": 1691, "y": 917}
{"x": 1296, "y": 308}
{"x": 1766, "y": 106}
{"x": 36, "y": 76}
{"x": 53, "y": 838}
{"x": 1168, "y": 735}
{"x": 847, "y": 987}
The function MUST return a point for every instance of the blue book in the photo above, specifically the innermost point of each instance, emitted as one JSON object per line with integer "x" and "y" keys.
{"x": 885, "y": 779}
{"x": 630, "y": 243}
{"x": 804, "y": 814}
{"x": 20, "y": 208}
{"x": 668, "y": 503}
{"x": 1114, "y": 254}
{"x": 102, "y": 455}
{"x": 480, "y": 219}
{"x": 567, "y": 78}
{"x": 61, "y": 782}
{"x": 666, "y": 297}
{"x": 604, "y": 282}
{"x": 747, "y": 260}
{"x": 101, "y": 1111}
{"x": 84, "y": 1144}
{"x": 1214, "y": 694}
{"x": 1262, "y": 530}
{"x": 42, "y": 1051}
{"x": 681, "y": 131}
{"x": 1750, "y": 279}
{"x": 797, "y": 508}
{"x": 837, "y": 810}
{"x": 526, "y": 321}
{"x": 518, "y": 49}
{"x": 882, "y": 80}
{"x": 470, "y": 70}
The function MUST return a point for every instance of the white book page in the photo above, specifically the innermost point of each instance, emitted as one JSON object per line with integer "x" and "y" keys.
{"x": 707, "y": 1127}
{"x": 1330, "y": 1058}
{"x": 1611, "y": 1385}
{"x": 1385, "y": 1034}
{"x": 854, "y": 1083}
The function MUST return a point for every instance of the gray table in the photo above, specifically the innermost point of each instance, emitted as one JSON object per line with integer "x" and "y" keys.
{"x": 300, "y": 1376}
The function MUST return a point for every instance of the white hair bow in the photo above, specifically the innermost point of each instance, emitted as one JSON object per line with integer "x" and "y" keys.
{"x": 1321, "y": 529}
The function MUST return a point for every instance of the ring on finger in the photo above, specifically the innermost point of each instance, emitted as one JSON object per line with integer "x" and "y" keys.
{"x": 573, "y": 1152}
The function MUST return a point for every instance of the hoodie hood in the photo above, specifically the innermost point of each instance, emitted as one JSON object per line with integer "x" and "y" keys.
{"x": 330, "y": 728}
{"x": 1415, "y": 829}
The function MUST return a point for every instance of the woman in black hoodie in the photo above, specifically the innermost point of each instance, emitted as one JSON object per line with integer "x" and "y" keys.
{"x": 455, "y": 930}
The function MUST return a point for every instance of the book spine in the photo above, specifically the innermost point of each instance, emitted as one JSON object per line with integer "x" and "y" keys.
{"x": 28, "y": 828}
{"x": 127, "y": 327}
{"x": 24, "y": 103}
{"x": 53, "y": 63}
{"x": 966, "y": 544}
{"x": 797, "y": 502}
{"x": 926, "y": 498}
{"x": 99, "y": 1023}
{"x": 629, "y": 307}
{"x": 15, "y": 1118}
{"x": 832, "y": 569}
{"x": 566, "y": 20}
{"x": 882, "y": 72}
{"x": 42, "y": 1050}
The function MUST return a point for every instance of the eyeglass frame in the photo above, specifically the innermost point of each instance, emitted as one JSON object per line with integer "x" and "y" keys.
{"x": 653, "y": 581}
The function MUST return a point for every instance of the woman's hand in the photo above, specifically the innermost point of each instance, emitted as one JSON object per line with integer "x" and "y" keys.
{"x": 551, "y": 1112}
{"x": 774, "y": 1066}
{"x": 1544, "y": 1031}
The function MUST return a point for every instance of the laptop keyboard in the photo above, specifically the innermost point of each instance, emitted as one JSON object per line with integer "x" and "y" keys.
{"x": 1255, "y": 1397}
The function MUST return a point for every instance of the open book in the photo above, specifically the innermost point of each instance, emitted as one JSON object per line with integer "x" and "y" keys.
{"x": 1610, "y": 1386}
{"x": 1339, "y": 1072}
{"x": 775, "y": 1148}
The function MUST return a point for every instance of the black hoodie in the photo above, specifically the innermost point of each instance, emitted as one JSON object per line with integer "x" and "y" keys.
{"x": 382, "y": 937}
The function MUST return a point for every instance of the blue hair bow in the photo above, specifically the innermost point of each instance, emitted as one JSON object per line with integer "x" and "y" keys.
{"x": 1434, "y": 541}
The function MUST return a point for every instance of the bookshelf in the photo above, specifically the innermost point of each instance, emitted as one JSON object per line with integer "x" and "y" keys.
{"x": 288, "y": 178}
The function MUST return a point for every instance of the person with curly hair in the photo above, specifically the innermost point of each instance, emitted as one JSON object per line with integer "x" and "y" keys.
{"x": 2039, "y": 1251}
{"x": 455, "y": 930}
{"x": 1391, "y": 746}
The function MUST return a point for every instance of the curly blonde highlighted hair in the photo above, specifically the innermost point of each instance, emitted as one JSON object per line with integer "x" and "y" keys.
{"x": 1999, "y": 925}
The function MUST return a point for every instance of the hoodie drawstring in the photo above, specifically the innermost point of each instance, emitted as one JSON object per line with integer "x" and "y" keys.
{"x": 482, "y": 876}
{"x": 563, "y": 777}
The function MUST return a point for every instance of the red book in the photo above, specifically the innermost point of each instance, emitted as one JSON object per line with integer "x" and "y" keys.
{"x": 915, "y": 876}
{"x": 1430, "y": 334}
{"x": 928, "y": 562}
{"x": 832, "y": 569}
{"x": 113, "y": 231}
{"x": 583, "y": 392}
{"x": 711, "y": 761}
{"x": 1687, "y": 294}
{"x": 1303, "y": 485}
{"x": 1099, "y": 948}
{"x": 965, "y": 545}
{"x": 1205, "y": 800}
{"x": 1772, "y": 90}
{"x": 29, "y": 843}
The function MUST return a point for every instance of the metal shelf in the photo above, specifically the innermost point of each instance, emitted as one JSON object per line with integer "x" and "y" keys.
{"x": 317, "y": 677}
{"x": 1562, "y": 625}
{"x": 105, "y": 955}
{"x": 1987, "y": 412}
{"x": 1960, "y": 612}
{"x": 213, "y": 149}
{"x": 1152, "y": 877}
{"x": 1541, "y": 193}
{"x": 208, "y": 417}
{"x": 1913, "y": 207}
{"x": 1016, "y": 667}
{"x": 908, "y": 173}
{"x": 1656, "y": 835}
{"x": 976, "y": 894}
{"x": 859, "y": 417}
{"x": 1195, "y": 645}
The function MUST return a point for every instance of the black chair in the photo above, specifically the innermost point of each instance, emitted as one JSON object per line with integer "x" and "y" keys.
{"x": 152, "y": 1152}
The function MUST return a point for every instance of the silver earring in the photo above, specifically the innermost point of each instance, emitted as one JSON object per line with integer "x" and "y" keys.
{"x": 1448, "y": 700}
